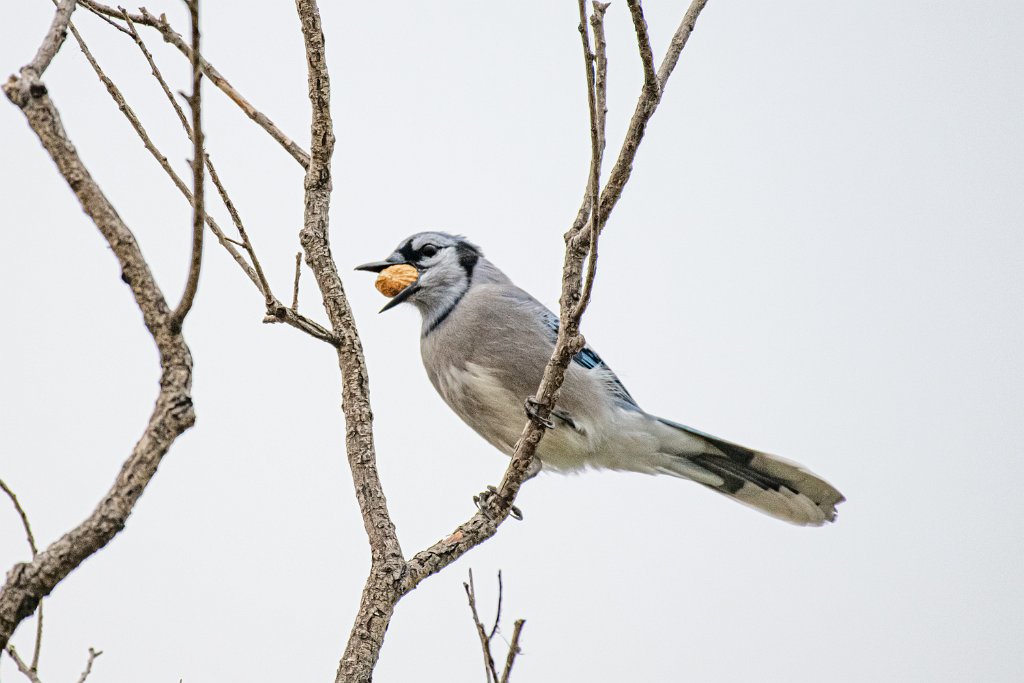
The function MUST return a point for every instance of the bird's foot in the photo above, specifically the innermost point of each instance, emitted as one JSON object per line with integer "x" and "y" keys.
{"x": 533, "y": 412}
{"x": 486, "y": 501}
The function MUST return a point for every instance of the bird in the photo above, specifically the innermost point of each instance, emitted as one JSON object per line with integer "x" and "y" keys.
{"x": 485, "y": 343}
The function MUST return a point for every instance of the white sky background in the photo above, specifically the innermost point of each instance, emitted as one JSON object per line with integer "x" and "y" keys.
{"x": 819, "y": 254}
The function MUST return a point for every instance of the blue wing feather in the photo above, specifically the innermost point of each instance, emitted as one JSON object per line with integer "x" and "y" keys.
{"x": 589, "y": 359}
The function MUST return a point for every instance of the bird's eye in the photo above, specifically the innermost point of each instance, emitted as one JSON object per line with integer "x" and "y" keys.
{"x": 428, "y": 250}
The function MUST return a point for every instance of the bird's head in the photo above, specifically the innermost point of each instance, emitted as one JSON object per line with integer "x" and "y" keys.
{"x": 444, "y": 264}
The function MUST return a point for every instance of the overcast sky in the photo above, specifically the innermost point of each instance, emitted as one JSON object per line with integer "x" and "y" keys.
{"x": 820, "y": 254}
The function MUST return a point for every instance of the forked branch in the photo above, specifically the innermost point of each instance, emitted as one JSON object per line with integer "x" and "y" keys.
{"x": 487, "y": 638}
{"x": 391, "y": 576}
{"x": 276, "y": 311}
{"x": 30, "y": 537}
{"x": 27, "y": 583}
{"x": 174, "y": 38}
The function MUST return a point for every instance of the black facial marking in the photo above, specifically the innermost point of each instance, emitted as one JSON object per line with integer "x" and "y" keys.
{"x": 448, "y": 311}
{"x": 468, "y": 256}
{"x": 408, "y": 253}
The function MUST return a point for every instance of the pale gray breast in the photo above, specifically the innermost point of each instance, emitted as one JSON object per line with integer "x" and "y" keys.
{"x": 489, "y": 356}
{"x": 494, "y": 326}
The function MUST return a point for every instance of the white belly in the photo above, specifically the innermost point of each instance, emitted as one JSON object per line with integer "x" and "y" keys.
{"x": 499, "y": 416}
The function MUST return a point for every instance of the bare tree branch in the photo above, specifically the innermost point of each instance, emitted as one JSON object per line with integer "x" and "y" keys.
{"x": 497, "y": 611}
{"x": 21, "y": 513}
{"x": 174, "y": 38}
{"x": 24, "y": 668}
{"x": 27, "y": 583}
{"x": 104, "y": 18}
{"x": 32, "y": 674}
{"x": 276, "y": 312}
{"x": 154, "y": 69}
{"x": 54, "y": 39}
{"x": 678, "y": 42}
{"x": 481, "y": 526}
{"x": 295, "y": 285}
{"x": 93, "y": 654}
{"x": 133, "y": 119}
{"x": 513, "y": 649}
{"x": 195, "y": 102}
{"x": 643, "y": 41}
{"x": 261, "y": 279}
{"x": 484, "y": 524}
{"x": 35, "y": 551}
{"x": 595, "y": 96}
{"x": 255, "y": 271}
{"x": 490, "y": 668}
{"x": 387, "y": 564}
{"x": 601, "y": 65}
{"x": 485, "y": 639}
{"x": 645, "y": 108}
{"x": 390, "y": 575}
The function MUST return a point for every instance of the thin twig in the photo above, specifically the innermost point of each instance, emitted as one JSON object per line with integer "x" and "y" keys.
{"x": 678, "y": 42}
{"x": 497, "y": 613}
{"x": 54, "y": 38}
{"x": 147, "y": 142}
{"x": 645, "y": 108}
{"x": 30, "y": 673}
{"x": 295, "y": 286}
{"x": 596, "y": 138}
{"x": 513, "y": 650}
{"x": 490, "y": 668}
{"x": 600, "y": 111}
{"x": 198, "y": 176}
{"x": 276, "y": 312}
{"x": 35, "y": 551}
{"x": 93, "y": 654}
{"x": 261, "y": 284}
{"x": 481, "y": 632}
{"x": 131, "y": 31}
{"x": 254, "y": 272}
{"x": 39, "y": 638}
{"x": 601, "y": 64}
{"x": 643, "y": 41}
{"x": 174, "y": 38}
{"x": 283, "y": 314}
{"x": 24, "y": 517}
{"x": 102, "y": 17}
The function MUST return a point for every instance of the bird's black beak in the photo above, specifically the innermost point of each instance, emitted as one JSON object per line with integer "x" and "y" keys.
{"x": 377, "y": 266}
{"x": 401, "y": 296}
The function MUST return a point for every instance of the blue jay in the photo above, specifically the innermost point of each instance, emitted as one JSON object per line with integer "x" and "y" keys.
{"x": 485, "y": 343}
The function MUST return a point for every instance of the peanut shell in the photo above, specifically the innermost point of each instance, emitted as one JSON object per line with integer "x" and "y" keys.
{"x": 394, "y": 279}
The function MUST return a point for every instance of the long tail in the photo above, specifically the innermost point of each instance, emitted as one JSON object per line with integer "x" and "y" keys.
{"x": 768, "y": 483}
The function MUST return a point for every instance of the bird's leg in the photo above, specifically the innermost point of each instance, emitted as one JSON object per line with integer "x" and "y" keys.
{"x": 533, "y": 412}
{"x": 486, "y": 500}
